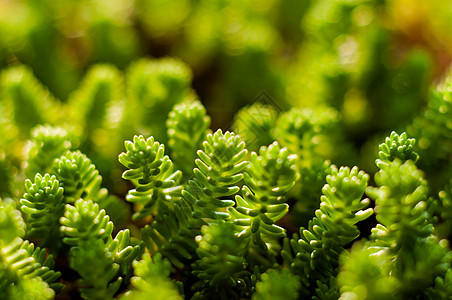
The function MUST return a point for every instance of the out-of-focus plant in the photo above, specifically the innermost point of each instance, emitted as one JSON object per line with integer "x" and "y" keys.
{"x": 396, "y": 255}
{"x": 370, "y": 60}
{"x": 433, "y": 130}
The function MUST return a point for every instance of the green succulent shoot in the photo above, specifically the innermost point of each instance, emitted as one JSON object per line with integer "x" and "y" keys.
{"x": 152, "y": 173}
{"x": 268, "y": 177}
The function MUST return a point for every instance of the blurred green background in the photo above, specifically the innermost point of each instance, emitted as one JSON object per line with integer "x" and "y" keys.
{"x": 357, "y": 56}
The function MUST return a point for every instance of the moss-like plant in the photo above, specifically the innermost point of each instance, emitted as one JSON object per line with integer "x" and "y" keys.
{"x": 152, "y": 278}
{"x": 153, "y": 88}
{"x": 24, "y": 269}
{"x": 268, "y": 178}
{"x": 152, "y": 172}
{"x": 27, "y": 101}
{"x": 215, "y": 215}
{"x": 46, "y": 144}
{"x": 255, "y": 124}
{"x": 219, "y": 170}
{"x": 277, "y": 284}
{"x": 79, "y": 177}
{"x": 396, "y": 254}
{"x": 97, "y": 257}
{"x": 43, "y": 205}
{"x": 187, "y": 128}
{"x": 316, "y": 252}
{"x": 221, "y": 260}
{"x": 91, "y": 106}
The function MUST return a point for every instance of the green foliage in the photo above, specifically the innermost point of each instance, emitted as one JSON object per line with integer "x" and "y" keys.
{"x": 96, "y": 266}
{"x": 401, "y": 205}
{"x": 404, "y": 212}
{"x": 96, "y": 94}
{"x": 151, "y": 280}
{"x": 401, "y": 202}
{"x": 308, "y": 190}
{"x": 316, "y": 253}
{"x": 268, "y": 178}
{"x": 219, "y": 170}
{"x": 46, "y": 144}
{"x": 116, "y": 208}
{"x": 444, "y": 211}
{"x": 221, "y": 259}
{"x": 31, "y": 289}
{"x": 277, "y": 284}
{"x": 433, "y": 131}
{"x": 171, "y": 235}
{"x": 403, "y": 254}
{"x": 225, "y": 241}
{"x": 220, "y": 164}
{"x": 225, "y": 225}
{"x": 395, "y": 146}
{"x": 351, "y": 71}
{"x": 43, "y": 205}
{"x": 12, "y": 224}
{"x": 187, "y": 128}
{"x": 7, "y": 174}
{"x": 364, "y": 273}
{"x": 84, "y": 221}
{"x": 79, "y": 177}
{"x": 153, "y": 88}
{"x": 96, "y": 256}
{"x": 308, "y": 133}
{"x": 91, "y": 106}
{"x": 41, "y": 265}
{"x": 351, "y": 66}
{"x": 433, "y": 128}
{"x": 152, "y": 173}
{"x": 24, "y": 270}
{"x": 21, "y": 261}
{"x": 255, "y": 125}
{"x": 313, "y": 135}
{"x": 26, "y": 100}
{"x": 374, "y": 272}
{"x": 430, "y": 259}
{"x": 443, "y": 287}
{"x": 125, "y": 251}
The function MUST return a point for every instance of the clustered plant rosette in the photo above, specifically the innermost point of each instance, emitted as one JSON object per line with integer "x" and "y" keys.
{"x": 227, "y": 248}
{"x": 220, "y": 222}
